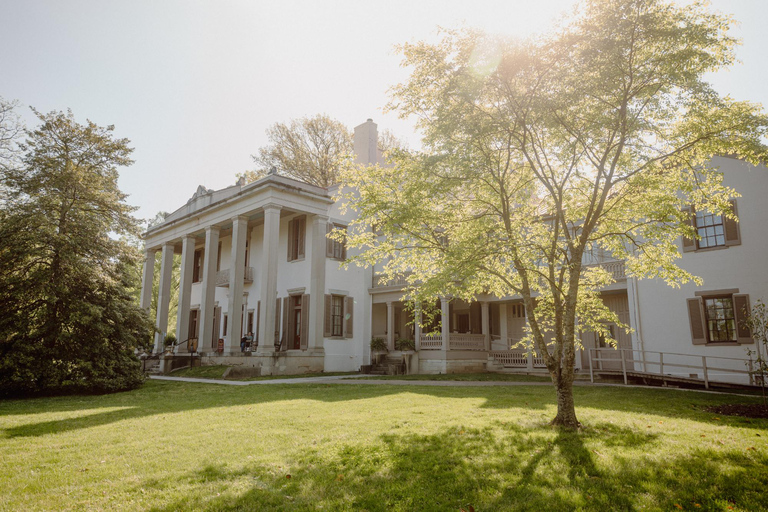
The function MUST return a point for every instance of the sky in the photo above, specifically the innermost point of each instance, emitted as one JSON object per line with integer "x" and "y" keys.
{"x": 195, "y": 84}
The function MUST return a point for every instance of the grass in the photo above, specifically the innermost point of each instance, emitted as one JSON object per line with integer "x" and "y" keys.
{"x": 187, "y": 446}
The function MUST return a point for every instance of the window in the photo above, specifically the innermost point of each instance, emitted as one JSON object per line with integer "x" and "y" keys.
{"x": 337, "y": 315}
{"x": 197, "y": 266}
{"x": 718, "y": 317}
{"x": 193, "y": 323}
{"x": 339, "y": 312}
{"x": 713, "y": 230}
{"x": 333, "y": 248}
{"x": 721, "y": 323}
{"x": 296, "y": 236}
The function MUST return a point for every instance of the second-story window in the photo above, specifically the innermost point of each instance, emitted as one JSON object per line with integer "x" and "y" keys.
{"x": 197, "y": 266}
{"x": 296, "y": 236}
{"x": 335, "y": 249}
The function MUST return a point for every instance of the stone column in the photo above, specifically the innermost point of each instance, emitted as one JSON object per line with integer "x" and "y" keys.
{"x": 236, "y": 278}
{"x": 317, "y": 283}
{"x": 445, "y": 321}
{"x": 486, "y": 324}
{"x": 208, "y": 288}
{"x": 390, "y": 326}
{"x": 268, "y": 267}
{"x": 147, "y": 278}
{"x": 185, "y": 288}
{"x": 417, "y": 326}
{"x": 503, "y": 331}
{"x": 163, "y": 296}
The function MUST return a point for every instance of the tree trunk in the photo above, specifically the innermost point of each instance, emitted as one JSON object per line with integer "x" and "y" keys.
{"x": 566, "y": 413}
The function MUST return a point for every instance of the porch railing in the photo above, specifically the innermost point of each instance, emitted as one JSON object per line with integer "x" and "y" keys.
{"x": 466, "y": 342}
{"x": 431, "y": 342}
{"x": 518, "y": 358}
{"x": 615, "y": 268}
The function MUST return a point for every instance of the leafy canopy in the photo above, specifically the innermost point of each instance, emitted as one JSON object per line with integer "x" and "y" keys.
{"x": 68, "y": 322}
{"x": 541, "y": 156}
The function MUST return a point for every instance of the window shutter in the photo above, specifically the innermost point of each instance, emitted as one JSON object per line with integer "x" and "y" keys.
{"x": 731, "y": 227}
{"x": 327, "y": 325}
{"x": 344, "y": 245}
{"x": 328, "y": 241}
{"x": 741, "y": 312}
{"x": 276, "y": 339}
{"x": 696, "y": 318}
{"x": 689, "y": 244}
{"x": 304, "y": 328}
{"x": 291, "y": 228}
{"x": 258, "y": 321}
{"x": 287, "y": 337}
{"x": 349, "y": 313}
{"x": 301, "y": 230}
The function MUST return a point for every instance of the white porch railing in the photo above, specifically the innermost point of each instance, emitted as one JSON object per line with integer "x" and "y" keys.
{"x": 466, "y": 342}
{"x": 615, "y": 268}
{"x": 431, "y": 342}
{"x": 222, "y": 276}
{"x": 517, "y": 359}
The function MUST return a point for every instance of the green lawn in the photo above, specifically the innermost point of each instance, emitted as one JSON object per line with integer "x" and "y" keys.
{"x": 185, "y": 446}
{"x": 489, "y": 377}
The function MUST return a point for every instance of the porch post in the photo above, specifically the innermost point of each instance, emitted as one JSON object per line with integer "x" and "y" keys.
{"x": 236, "y": 277}
{"x": 185, "y": 287}
{"x": 503, "y": 332}
{"x": 208, "y": 290}
{"x": 317, "y": 283}
{"x": 390, "y": 326}
{"x": 445, "y": 322}
{"x": 268, "y": 291}
{"x": 417, "y": 326}
{"x": 147, "y": 278}
{"x": 163, "y": 296}
{"x": 486, "y": 323}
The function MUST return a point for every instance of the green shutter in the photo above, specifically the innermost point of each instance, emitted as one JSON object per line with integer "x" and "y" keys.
{"x": 697, "y": 321}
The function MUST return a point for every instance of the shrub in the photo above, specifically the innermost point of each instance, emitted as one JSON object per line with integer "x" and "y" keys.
{"x": 405, "y": 344}
{"x": 379, "y": 345}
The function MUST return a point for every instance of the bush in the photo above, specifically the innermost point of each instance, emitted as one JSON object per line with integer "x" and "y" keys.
{"x": 170, "y": 339}
{"x": 405, "y": 344}
{"x": 379, "y": 345}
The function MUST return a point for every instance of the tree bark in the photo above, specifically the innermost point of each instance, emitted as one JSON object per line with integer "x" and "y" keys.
{"x": 566, "y": 412}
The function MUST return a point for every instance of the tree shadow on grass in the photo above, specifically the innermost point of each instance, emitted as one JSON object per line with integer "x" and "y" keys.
{"x": 157, "y": 398}
{"x": 513, "y": 469}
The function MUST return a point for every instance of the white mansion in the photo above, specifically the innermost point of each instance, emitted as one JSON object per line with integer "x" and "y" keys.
{"x": 255, "y": 257}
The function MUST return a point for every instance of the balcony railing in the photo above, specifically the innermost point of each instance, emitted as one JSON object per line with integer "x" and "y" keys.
{"x": 380, "y": 280}
{"x": 222, "y": 277}
{"x": 517, "y": 359}
{"x": 615, "y": 268}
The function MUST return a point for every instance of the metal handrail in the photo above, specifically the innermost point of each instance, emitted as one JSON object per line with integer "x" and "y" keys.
{"x": 706, "y": 368}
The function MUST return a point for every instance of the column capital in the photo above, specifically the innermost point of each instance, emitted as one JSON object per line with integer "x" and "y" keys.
{"x": 150, "y": 250}
{"x": 240, "y": 218}
{"x": 212, "y": 229}
{"x": 188, "y": 236}
{"x": 321, "y": 219}
{"x": 168, "y": 244}
{"x": 271, "y": 207}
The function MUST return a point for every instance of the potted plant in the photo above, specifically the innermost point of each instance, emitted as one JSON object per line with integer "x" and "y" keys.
{"x": 404, "y": 344}
{"x": 170, "y": 341}
{"x": 378, "y": 347}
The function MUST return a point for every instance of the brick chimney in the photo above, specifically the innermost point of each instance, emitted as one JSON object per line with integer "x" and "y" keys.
{"x": 367, "y": 144}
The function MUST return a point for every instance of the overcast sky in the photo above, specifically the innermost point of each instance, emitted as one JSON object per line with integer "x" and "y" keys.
{"x": 194, "y": 85}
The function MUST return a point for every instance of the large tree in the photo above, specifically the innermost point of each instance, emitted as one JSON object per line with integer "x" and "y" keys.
{"x": 596, "y": 136}
{"x": 67, "y": 320}
{"x": 310, "y": 149}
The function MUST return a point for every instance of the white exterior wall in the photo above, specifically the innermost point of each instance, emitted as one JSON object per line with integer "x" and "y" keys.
{"x": 663, "y": 309}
